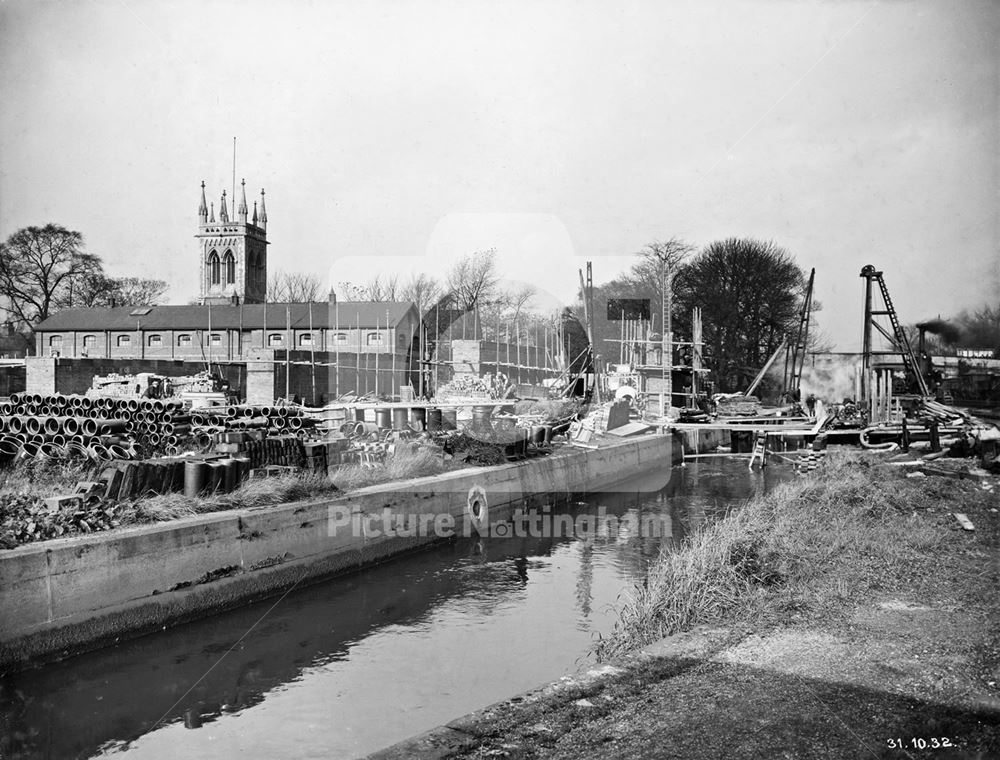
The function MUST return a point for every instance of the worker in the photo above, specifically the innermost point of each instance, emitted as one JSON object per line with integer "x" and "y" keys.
{"x": 811, "y": 404}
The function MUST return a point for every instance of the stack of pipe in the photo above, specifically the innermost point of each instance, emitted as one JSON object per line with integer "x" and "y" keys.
{"x": 59, "y": 426}
{"x": 208, "y": 422}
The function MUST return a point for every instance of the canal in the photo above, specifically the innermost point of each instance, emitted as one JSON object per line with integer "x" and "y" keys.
{"x": 347, "y": 666}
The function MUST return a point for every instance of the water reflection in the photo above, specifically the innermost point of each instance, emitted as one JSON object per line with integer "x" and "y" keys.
{"x": 415, "y": 641}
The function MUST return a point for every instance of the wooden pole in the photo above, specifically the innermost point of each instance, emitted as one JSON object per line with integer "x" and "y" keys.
{"x": 357, "y": 363}
{"x": 336, "y": 348}
{"x": 312, "y": 353}
{"x": 288, "y": 352}
{"x": 437, "y": 343}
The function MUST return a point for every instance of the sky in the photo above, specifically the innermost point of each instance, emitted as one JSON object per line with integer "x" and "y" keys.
{"x": 396, "y": 137}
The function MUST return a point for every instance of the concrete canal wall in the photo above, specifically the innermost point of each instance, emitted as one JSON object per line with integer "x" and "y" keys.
{"x": 67, "y": 595}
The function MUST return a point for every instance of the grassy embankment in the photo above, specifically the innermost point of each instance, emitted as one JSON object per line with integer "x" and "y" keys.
{"x": 24, "y": 516}
{"x": 805, "y": 550}
{"x": 847, "y": 614}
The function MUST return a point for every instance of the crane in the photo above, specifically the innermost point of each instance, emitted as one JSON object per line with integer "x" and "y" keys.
{"x": 897, "y": 338}
{"x": 795, "y": 356}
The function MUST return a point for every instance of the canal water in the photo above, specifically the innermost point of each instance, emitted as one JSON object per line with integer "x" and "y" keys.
{"x": 350, "y": 665}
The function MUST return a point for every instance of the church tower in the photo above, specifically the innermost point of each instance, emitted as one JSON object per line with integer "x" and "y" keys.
{"x": 233, "y": 252}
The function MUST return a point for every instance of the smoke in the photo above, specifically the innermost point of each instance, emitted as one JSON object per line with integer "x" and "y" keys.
{"x": 831, "y": 382}
{"x": 949, "y": 332}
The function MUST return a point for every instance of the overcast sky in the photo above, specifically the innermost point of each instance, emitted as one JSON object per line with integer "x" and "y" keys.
{"x": 398, "y": 136}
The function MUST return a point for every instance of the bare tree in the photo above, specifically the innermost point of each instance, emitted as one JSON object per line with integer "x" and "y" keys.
{"x": 99, "y": 290}
{"x": 377, "y": 289}
{"x": 474, "y": 277}
{"x": 40, "y": 267}
{"x": 294, "y": 287}
{"x": 423, "y": 290}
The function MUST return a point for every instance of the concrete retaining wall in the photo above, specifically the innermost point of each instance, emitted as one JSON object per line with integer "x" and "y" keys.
{"x": 64, "y": 596}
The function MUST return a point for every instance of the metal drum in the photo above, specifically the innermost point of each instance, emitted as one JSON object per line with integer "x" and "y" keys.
{"x": 383, "y": 419}
{"x": 418, "y": 418}
{"x": 195, "y": 473}
{"x": 434, "y": 420}
{"x": 398, "y": 419}
{"x": 481, "y": 417}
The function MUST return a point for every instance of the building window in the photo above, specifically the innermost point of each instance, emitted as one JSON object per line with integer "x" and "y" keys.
{"x": 374, "y": 339}
{"x": 124, "y": 341}
{"x": 89, "y": 341}
{"x": 213, "y": 265}
{"x": 402, "y": 340}
{"x": 230, "y": 264}
{"x": 306, "y": 339}
{"x": 155, "y": 341}
{"x": 184, "y": 341}
{"x": 55, "y": 341}
{"x": 215, "y": 339}
{"x": 275, "y": 339}
{"x": 340, "y": 338}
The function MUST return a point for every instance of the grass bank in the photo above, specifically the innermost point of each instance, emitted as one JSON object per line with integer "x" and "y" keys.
{"x": 807, "y": 548}
{"x": 846, "y": 614}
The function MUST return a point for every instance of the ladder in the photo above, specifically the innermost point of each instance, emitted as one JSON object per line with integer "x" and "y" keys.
{"x": 759, "y": 449}
{"x": 897, "y": 338}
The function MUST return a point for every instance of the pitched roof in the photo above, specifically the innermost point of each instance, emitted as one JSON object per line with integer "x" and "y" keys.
{"x": 342, "y": 314}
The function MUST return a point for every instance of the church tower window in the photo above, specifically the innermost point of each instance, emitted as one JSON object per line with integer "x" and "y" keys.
{"x": 230, "y": 263}
{"x": 213, "y": 265}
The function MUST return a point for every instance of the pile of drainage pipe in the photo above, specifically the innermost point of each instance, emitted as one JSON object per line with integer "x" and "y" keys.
{"x": 211, "y": 424}
{"x": 58, "y": 426}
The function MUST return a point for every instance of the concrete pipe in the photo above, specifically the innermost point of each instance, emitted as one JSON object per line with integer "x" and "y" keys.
{"x": 52, "y": 425}
{"x": 117, "y": 452}
{"x": 71, "y": 425}
{"x": 15, "y": 398}
{"x": 37, "y": 399}
{"x": 232, "y": 411}
{"x": 50, "y": 451}
{"x": 28, "y": 450}
{"x": 171, "y": 440}
{"x": 109, "y": 426}
{"x": 89, "y": 426}
{"x": 75, "y": 451}
{"x": 33, "y": 425}
{"x": 158, "y": 406}
{"x": 6, "y": 408}
{"x": 14, "y": 424}
{"x": 98, "y": 453}
{"x": 9, "y": 448}
{"x": 267, "y": 411}
{"x": 154, "y": 439}
{"x": 171, "y": 450}
{"x": 59, "y": 439}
